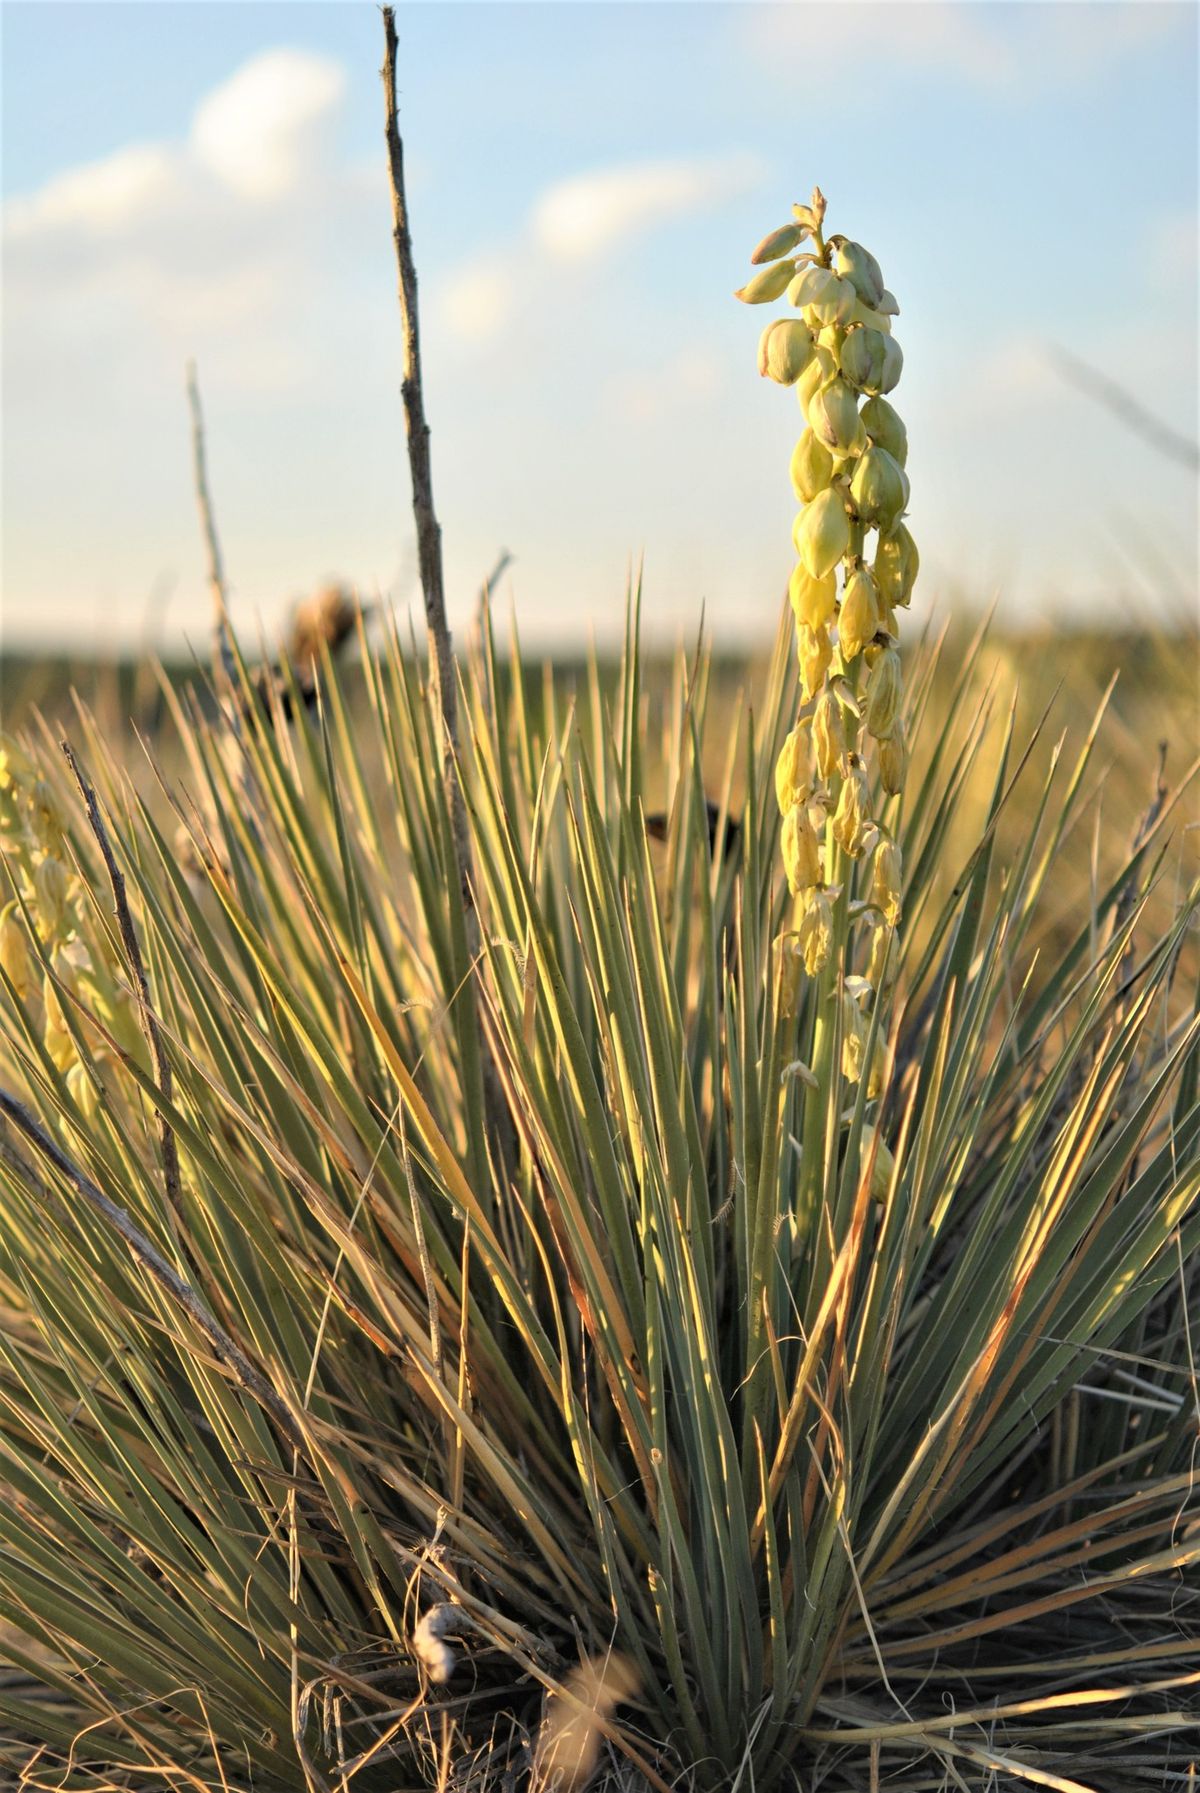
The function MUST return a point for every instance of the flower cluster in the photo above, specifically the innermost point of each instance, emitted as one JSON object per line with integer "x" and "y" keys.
{"x": 34, "y": 847}
{"x": 848, "y": 475}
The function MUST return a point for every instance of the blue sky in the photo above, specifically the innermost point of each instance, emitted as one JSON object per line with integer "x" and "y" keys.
{"x": 586, "y": 184}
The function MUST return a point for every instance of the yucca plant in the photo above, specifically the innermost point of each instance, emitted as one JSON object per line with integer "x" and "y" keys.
{"x": 526, "y": 1394}
{"x": 726, "y": 1414}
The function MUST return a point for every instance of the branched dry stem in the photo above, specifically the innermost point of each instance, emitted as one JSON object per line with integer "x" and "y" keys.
{"x": 223, "y": 661}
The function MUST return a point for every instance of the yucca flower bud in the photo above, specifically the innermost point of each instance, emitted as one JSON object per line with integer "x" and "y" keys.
{"x": 896, "y": 565}
{"x": 879, "y": 488}
{"x": 772, "y": 283}
{"x": 833, "y": 416}
{"x": 801, "y": 849}
{"x": 885, "y": 427}
{"x": 860, "y": 268}
{"x": 893, "y": 759}
{"x": 785, "y": 349}
{"x": 828, "y": 734}
{"x": 886, "y": 876}
{"x": 779, "y": 242}
{"x": 823, "y": 296}
{"x": 811, "y": 468}
{"x": 883, "y": 694}
{"x": 822, "y": 533}
{"x": 791, "y": 771}
{"x": 814, "y": 650}
{"x": 858, "y": 618}
{"x": 864, "y": 358}
{"x": 789, "y": 976}
{"x": 51, "y": 889}
{"x": 893, "y": 364}
{"x": 45, "y": 816}
{"x": 814, "y": 929}
{"x": 852, "y": 824}
{"x": 820, "y": 369}
{"x": 56, "y": 1039}
{"x": 15, "y": 956}
{"x": 881, "y": 1170}
{"x": 881, "y": 961}
{"x": 854, "y": 1039}
{"x": 874, "y": 320}
{"x": 813, "y": 601}
{"x": 82, "y": 1088}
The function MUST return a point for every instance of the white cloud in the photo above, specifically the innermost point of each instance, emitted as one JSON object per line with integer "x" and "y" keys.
{"x": 587, "y": 215}
{"x": 263, "y": 127}
{"x": 578, "y": 221}
{"x": 258, "y": 133}
{"x": 101, "y": 196}
{"x": 166, "y": 249}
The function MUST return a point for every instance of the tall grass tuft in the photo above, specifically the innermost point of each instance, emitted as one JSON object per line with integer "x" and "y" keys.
{"x": 641, "y": 1449}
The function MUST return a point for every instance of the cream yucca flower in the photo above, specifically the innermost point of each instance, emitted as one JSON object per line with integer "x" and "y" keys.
{"x": 813, "y": 601}
{"x": 893, "y": 759}
{"x": 801, "y": 850}
{"x": 852, "y": 823}
{"x": 858, "y": 619}
{"x": 814, "y": 651}
{"x": 811, "y": 467}
{"x": 828, "y": 734}
{"x": 791, "y": 770}
{"x": 822, "y": 533}
{"x": 883, "y": 694}
{"x": 814, "y": 929}
{"x": 886, "y": 880}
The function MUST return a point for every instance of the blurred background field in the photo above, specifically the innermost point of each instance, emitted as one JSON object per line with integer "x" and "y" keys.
{"x": 1143, "y": 687}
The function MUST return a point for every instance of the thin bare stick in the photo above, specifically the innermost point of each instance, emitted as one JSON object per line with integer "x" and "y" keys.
{"x": 168, "y": 1150}
{"x": 25, "y": 1173}
{"x": 148, "y": 1255}
{"x": 429, "y": 554}
{"x": 223, "y": 662}
{"x": 429, "y": 535}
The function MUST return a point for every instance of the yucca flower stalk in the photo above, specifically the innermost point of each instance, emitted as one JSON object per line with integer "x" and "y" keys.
{"x": 856, "y": 565}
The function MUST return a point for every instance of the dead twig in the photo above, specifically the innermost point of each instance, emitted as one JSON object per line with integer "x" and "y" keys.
{"x": 429, "y": 553}
{"x": 429, "y": 534}
{"x": 223, "y": 661}
{"x": 427, "y": 528}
